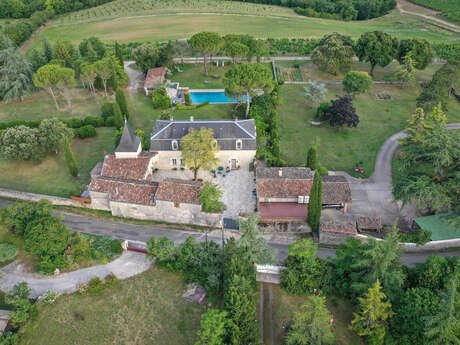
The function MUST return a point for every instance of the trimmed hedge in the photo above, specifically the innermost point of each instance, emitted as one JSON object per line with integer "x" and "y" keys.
{"x": 87, "y": 131}
{"x": 74, "y": 122}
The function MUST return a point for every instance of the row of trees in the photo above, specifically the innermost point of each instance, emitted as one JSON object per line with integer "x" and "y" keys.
{"x": 334, "y": 53}
{"x": 27, "y": 8}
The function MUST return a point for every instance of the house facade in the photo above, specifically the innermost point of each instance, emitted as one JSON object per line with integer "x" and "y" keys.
{"x": 236, "y": 140}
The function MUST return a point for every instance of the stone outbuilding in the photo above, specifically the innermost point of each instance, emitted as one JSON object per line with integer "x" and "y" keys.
{"x": 155, "y": 78}
{"x": 336, "y": 227}
{"x": 368, "y": 223}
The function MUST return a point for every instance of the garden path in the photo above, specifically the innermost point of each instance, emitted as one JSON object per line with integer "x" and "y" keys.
{"x": 127, "y": 265}
{"x": 136, "y": 77}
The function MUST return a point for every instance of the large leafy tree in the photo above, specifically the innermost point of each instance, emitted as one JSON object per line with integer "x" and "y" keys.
{"x": 334, "y": 54}
{"x": 199, "y": 150}
{"x": 356, "y": 82}
{"x": 377, "y": 48}
{"x": 237, "y": 51}
{"x": 311, "y": 324}
{"x": 252, "y": 241}
{"x": 15, "y": 75}
{"x": 372, "y": 318}
{"x": 342, "y": 113}
{"x": 21, "y": 143}
{"x": 88, "y": 76}
{"x": 150, "y": 55}
{"x": 104, "y": 71}
{"x": 419, "y": 50}
{"x": 442, "y": 328}
{"x": 246, "y": 79}
{"x": 207, "y": 43}
{"x": 92, "y": 49}
{"x": 54, "y": 135}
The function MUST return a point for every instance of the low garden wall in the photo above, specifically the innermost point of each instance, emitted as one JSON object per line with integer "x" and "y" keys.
{"x": 55, "y": 200}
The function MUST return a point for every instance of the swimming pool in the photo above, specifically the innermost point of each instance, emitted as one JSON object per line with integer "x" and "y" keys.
{"x": 215, "y": 97}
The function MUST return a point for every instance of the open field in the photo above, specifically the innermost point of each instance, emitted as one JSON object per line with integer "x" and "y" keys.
{"x": 147, "y": 20}
{"x": 449, "y": 8}
{"x": 145, "y": 309}
{"x": 345, "y": 148}
{"x": 286, "y": 305}
{"x": 306, "y": 70}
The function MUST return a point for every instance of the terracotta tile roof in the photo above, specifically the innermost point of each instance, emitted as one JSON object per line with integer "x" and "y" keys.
{"x": 180, "y": 191}
{"x": 336, "y": 190}
{"x": 283, "y": 188}
{"x": 137, "y": 192}
{"x": 282, "y": 211}
{"x": 154, "y": 77}
{"x": 126, "y": 168}
{"x": 342, "y": 226}
{"x": 293, "y": 173}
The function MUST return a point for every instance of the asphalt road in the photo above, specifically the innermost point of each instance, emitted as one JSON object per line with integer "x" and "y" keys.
{"x": 141, "y": 233}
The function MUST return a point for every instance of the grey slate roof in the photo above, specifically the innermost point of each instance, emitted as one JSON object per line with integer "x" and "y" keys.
{"x": 129, "y": 142}
{"x": 226, "y": 133}
{"x": 292, "y": 173}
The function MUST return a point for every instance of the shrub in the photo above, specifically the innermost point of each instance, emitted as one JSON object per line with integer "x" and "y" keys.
{"x": 105, "y": 247}
{"x": 8, "y": 252}
{"x": 187, "y": 99}
{"x": 161, "y": 99}
{"x": 50, "y": 297}
{"x": 210, "y": 196}
{"x": 322, "y": 109}
{"x": 87, "y": 131}
{"x": 110, "y": 121}
{"x": 74, "y": 123}
{"x": 93, "y": 121}
{"x": 71, "y": 161}
{"x": 107, "y": 110}
{"x": 95, "y": 285}
{"x": 356, "y": 82}
{"x": 118, "y": 116}
{"x": 322, "y": 170}
{"x": 121, "y": 101}
{"x": 110, "y": 279}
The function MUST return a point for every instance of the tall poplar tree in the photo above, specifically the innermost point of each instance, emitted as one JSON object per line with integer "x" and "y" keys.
{"x": 315, "y": 204}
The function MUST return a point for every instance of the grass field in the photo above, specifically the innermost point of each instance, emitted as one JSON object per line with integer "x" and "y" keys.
{"x": 145, "y": 309}
{"x": 7, "y": 237}
{"x": 344, "y": 149}
{"x": 286, "y": 305}
{"x": 147, "y": 20}
{"x": 448, "y": 8}
{"x": 306, "y": 70}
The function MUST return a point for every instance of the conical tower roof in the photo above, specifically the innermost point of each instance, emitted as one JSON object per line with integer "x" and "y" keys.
{"x": 129, "y": 142}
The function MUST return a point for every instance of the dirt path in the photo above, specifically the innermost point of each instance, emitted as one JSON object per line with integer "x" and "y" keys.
{"x": 136, "y": 77}
{"x": 430, "y": 14}
{"x": 267, "y": 325}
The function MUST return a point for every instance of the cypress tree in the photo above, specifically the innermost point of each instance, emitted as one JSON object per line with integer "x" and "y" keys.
{"x": 312, "y": 158}
{"x": 71, "y": 161}
{"x": 121, "y": 101}
{"x": 118, "y": 54}
{"x": 118, "y": 117}
{"x": 114, "y": 79}
{"x": 316, "y": 202}
{"x": 47, "y": 50}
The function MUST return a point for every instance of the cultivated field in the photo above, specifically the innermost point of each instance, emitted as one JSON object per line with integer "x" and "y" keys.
{"x": 449, "y": 8}
{"x": 145, "y": 309}
{"x": 146, "y": 20}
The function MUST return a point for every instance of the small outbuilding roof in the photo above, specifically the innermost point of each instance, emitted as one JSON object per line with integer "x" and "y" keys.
{"x": 336, "y": 190}
{"x": 129, "y": 142}
{"x": 336, "y": 221}
{"x": 154, "y": 77}
{"x": 286, "y": 173}
{"x": 180, "y": 191}
{"x": 126, "y": 168}
{"x": 129, "y": 191}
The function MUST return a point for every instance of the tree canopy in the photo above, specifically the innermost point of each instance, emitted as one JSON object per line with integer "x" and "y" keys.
{"x": 342, "y": 113}
{"x": 207, "y": 43}
{"x": 334, "y": 53}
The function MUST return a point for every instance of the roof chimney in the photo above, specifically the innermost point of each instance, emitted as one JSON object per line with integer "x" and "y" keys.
{"x": 280, "y": 172}
{"x": 191, "y": 118}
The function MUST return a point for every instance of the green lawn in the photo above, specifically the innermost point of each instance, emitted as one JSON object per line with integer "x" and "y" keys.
{"x": 7, "y": 237}
{"x": 286, "y": 305}
{"x": 145, "y": 309}
{"x": 51, "y": 176}
{"x": 137, "y": 20}
{"x": 449, "y": 8}
{"x": 309, "y": 71}
{"x": 193, "y": 76}
{"x": 41, "y": 106}
{"x": 344, "y": 149}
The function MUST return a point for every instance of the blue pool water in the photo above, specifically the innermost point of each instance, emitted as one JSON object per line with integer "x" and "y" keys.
{"x": 212, "y": 97}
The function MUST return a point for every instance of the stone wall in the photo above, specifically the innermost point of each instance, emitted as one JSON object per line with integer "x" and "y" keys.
{"x": 330, "y": 237}
{"x": 285, "y": 227}
{"x": 55, "y": 200}
{"x": 100, "y": 201}
{"x": 166, "y": 211}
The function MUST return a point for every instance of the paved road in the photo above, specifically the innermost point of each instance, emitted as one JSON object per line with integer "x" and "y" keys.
{"x": 135, "y": 232}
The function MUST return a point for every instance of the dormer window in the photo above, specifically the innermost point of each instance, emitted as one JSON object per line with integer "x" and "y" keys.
{"x": 175, "y": 145}
{"x": 239, "y": 144}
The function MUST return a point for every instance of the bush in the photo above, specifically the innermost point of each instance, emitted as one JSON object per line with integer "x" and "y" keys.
{"x": 187, "y": 99}
{"x": 8, "y": 251}
{"x": 71, "y": 161}
{"x": 107, "y": 110}
{"x": 110, "y": 121}
{"x": 356, "y": 82}
{"x": 323, "y": 171}
{"x": 74, "y": 123}
{"x": 110, "y": 279}
{"x": 161, "y": 99}
{"x": 322, "y": 109}
{"x": 93, "y": 121}
{"x": 210, "y": 196}
{"x": 95, "y": 285}
{"x": 50, "y": 297}
{"x": 105, "y": 247}
{"x": 86, "y": 132}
